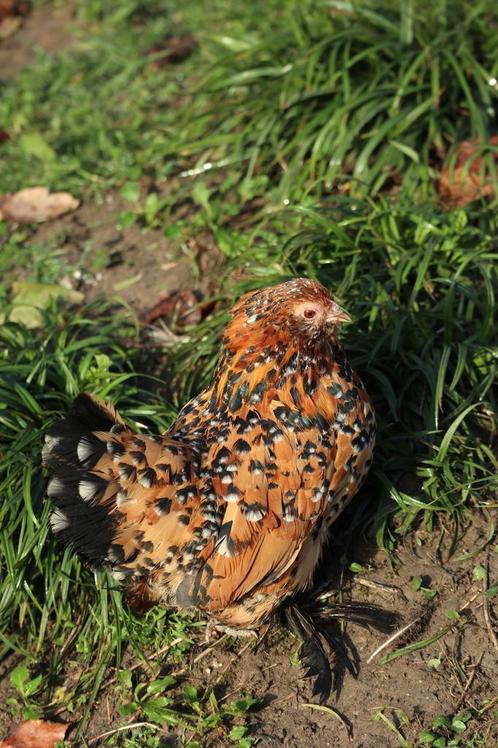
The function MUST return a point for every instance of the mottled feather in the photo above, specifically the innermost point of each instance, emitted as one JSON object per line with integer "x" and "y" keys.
{"x": 228, "y": 511}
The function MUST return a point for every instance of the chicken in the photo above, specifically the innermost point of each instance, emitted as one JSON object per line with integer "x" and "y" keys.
{"x": 228, "y": 511}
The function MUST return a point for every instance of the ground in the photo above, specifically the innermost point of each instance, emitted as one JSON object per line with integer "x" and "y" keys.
{"x": 452, "y": 671}
{"x": 433, "y": 685}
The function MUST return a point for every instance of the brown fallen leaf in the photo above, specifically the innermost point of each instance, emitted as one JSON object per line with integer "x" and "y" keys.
{"x": 174, "y": 49}
{"x": 36, "y": 204}
{"x": 180, "y": 307}
{"x": 461, "y": 182}
{"x": 9, "y": 26}
{"x": 4, "y": 136}
{"x": 178, "y": 310}
{"x": 35, "y": 733}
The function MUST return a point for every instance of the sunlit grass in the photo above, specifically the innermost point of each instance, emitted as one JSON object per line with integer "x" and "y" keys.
{"x": 357, "y": 97}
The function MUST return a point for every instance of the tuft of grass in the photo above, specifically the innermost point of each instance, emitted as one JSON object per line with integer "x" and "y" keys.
{"x": 92, "y": 116}
{"x": 359, "y": 97}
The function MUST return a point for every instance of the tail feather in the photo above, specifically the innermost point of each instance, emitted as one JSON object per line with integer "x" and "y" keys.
{"x": 120, "y": 498}
{"x": 82, "y": 499}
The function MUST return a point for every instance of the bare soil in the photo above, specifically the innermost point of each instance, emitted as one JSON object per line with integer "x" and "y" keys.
{"x": 135, "y": 264}
{"x": 455, "y": 673}
{"x": 44, "y": 28}
{"x": 410, "y": 683}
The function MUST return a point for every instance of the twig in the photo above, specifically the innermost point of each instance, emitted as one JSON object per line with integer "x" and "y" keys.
{"x": 133, "y": 726}
{"x": 469, "y": 602}
{"x": 72, "y": 636}
{"x": 151, "y": 659}
{"x": 334, "y": 713}
{"x": 469, "y": 682}
{"x": 390, "y": 589}
{"x": 488, "y": 706}
{"x": 284, "y": 698}
{"x": 269, "y": 667}
{"x": 393, "y": 638}
{"x": 210, "y": 648}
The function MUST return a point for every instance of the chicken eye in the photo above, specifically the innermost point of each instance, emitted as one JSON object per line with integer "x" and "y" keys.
{"x": 310, "y": 313}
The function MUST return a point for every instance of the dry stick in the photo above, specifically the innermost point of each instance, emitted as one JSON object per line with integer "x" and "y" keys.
{"x": 393, "y": 638}
{"x": 390, "y": 589}
{"x": 402, "y": 630}
{"x": 334, "y": 713}
{"x": 72, "y": 636}
{"x": 122, "y": 729}
{"x": 485, "y": 608}
{"x": 151, "y": 659}
{"x": 471, "y": 599}
{"x": 469, "y": 682}
{"x": 269, "y": 667}
{"x": 210, "y": 648}
{"x": 488, "y": 706}
{"x": 284, "y": 698}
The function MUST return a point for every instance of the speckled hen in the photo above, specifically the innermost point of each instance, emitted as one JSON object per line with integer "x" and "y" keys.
{"x": 228, "y": 511}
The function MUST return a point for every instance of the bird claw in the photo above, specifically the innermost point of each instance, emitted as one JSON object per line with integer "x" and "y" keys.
{"x": 227, "y": 630}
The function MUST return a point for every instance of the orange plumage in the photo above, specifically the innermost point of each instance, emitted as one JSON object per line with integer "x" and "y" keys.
{"x": 227, "y": 512}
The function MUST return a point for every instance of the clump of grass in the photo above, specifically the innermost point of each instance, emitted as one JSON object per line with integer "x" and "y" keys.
{"x": 363, "y": 96}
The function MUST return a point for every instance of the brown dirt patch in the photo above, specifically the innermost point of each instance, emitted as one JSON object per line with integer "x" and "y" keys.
{"x": 457, "y": 672}
{"x": 44, "y": 28}
{"x": 134, "y": 264}
{"x": 409, "y": 683}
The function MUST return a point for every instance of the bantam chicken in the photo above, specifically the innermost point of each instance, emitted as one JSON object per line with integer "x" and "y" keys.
{"x": 228, "y": 511}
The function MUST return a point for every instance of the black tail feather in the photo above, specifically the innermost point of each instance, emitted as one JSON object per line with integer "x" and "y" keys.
{"x": 70, "y": 452}
{"x": 94, "y": 415}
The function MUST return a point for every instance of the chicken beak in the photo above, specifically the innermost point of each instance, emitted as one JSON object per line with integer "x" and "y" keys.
{"x": 338, "y": 316}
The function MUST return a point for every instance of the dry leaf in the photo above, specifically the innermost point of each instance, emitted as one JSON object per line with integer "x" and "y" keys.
{"x": 173, "y": 50}
{"x": 9, "y": 26}
{"x": 462, "y": 183}
{"x": 29, "y": 299}
{"x": 180, "y": 307}
{"x": 35, "y": 733}
{"x": 36, "y": 204}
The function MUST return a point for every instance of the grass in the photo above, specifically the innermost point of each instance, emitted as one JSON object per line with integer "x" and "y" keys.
{"x": 358, "y": 96}
{"x": 306, "y": 139}
{"x": 91, "y": 117}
